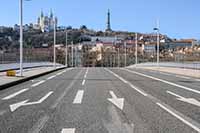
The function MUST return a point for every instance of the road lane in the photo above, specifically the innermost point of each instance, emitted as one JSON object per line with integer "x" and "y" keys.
{"x": 26, "y": 118}
{"x": 107, "y": 103}
{"x": 159, "y": 90}
{"x": 27, "y": 84}
{"x": 97, "y": 114}
{"x": 178, "y": 79}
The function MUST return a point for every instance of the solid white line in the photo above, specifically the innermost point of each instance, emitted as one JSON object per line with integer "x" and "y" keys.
{"x": 51, "y": 77}
{"x": 68, "y": 130}
{"x": 15, "y": 94}
{"x": 79, "y": 97}
{"x": 38, "y": 83}
{"x": 83, "y": 82}
{"x": 179, "y": 117}
{"x": 164, "y": 81}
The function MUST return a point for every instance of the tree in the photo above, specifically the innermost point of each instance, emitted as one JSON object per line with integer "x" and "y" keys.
{"x": 83, "y": 27}
{"x": 69, "y": 28}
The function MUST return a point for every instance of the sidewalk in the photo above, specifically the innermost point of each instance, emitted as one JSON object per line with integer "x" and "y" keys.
{"x": 6, "y": 81}
{"x": 15, "y": 66}
{"x": 179, "y": 71}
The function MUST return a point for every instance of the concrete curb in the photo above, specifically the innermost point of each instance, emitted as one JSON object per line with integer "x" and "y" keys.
{"x": 2, "y": 87}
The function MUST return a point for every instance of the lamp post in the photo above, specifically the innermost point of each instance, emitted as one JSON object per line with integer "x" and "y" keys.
{"x": 21, "y": 38}
{"x": 125, "y": 55}
{"x": 66, "y": 51}
{"x": 136, "y": 49}
{"x": 118, "y": 57}
{"x": 158, "y": 43}
{"x": 72, "y": 50}
{"x": 54, "y": 48}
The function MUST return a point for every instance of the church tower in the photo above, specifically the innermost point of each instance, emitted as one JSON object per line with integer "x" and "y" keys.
{"x": 108, "y": 29}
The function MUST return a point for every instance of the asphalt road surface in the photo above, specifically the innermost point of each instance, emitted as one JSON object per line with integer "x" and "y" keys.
{"x": 102, "y": 100}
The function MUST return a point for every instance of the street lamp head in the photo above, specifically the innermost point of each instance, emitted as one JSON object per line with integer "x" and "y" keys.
{"x": 155, "y": 29}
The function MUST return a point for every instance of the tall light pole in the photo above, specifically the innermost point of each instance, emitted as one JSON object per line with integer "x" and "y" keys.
{"x": 158, "y": 42}
{"x": 66, "y": 51}
{"x": 21, "y": 37}
{"x": 54, "y": 47}
{"x": 118, "y": 57}
{"x": 75, "y": 56}
{"x": 125, "y": 54}
{"x": 72, "y": 50}
{"x": 136, "y": 49}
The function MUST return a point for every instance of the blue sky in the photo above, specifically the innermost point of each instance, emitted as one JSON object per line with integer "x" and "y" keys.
{"x": 178, "y": 18}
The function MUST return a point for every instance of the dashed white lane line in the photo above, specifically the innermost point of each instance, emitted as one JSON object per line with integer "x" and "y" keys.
{"x": 38, "y": 83}
{"x": 15, "y": 94}
{"x": 164, "y": 81}
{"x": 51, "y": 77}
{"x": 83, "y": 82}
{"x": 68, "y": 130}
{"x": 39, "y": 125}
{"x": 79, "y": 97}
{"x": 126, "y": 82}
{"x": 179, "y": 76}
{"x": 179, "y": 117}
{"x": 59, "y": 73}
{"x": 197, "y": 79}
{"x": 165, "y": 73}
{"x": 86, "y": 73}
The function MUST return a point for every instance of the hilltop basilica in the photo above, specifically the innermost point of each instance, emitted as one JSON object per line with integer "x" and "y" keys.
{"x": 46, "y": 23}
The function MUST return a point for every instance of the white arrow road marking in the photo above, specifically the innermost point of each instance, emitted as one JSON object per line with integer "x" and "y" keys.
{"x": 15, "y": 106}
{"x": 38, "y": 83}
{"x": 68, "y": 130}
{"x": 15, "y": 94}
{"x": 116, "y": 124}
{"x": 79, "y": 97}
{"x": 119, "y": 102}
{"x": 187, "y": 100}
